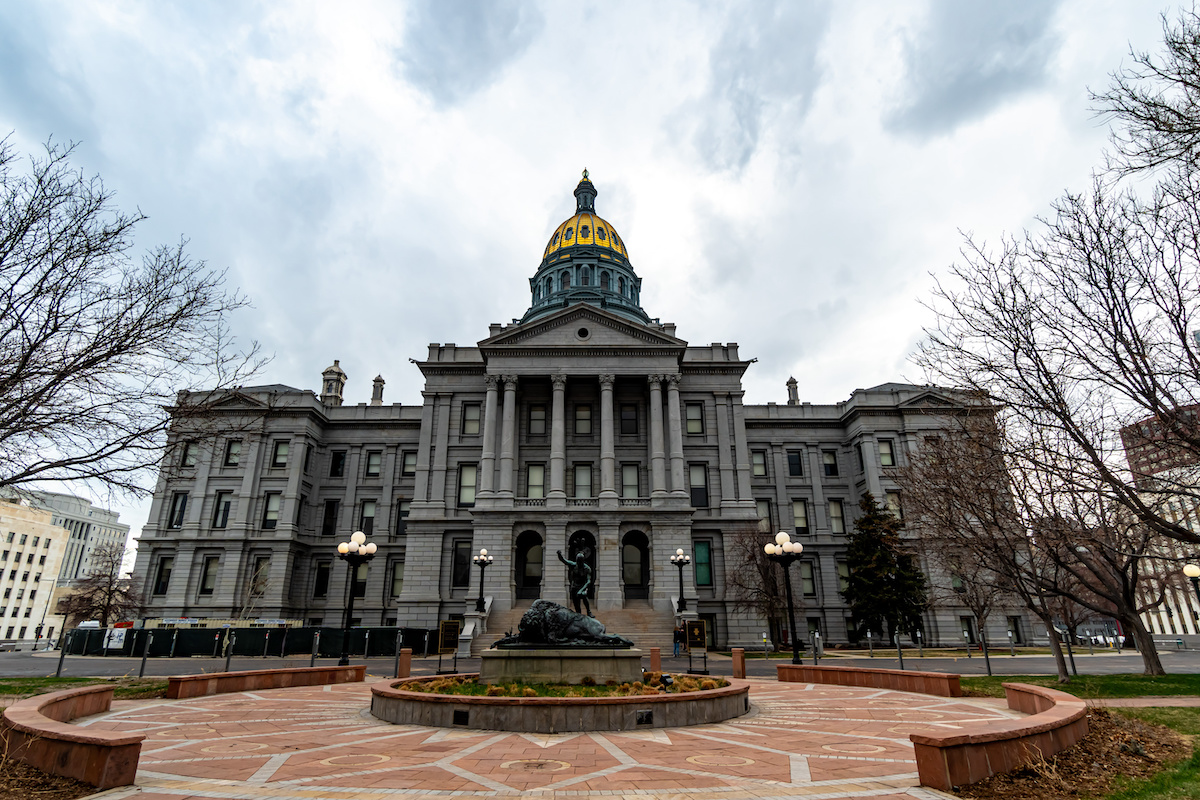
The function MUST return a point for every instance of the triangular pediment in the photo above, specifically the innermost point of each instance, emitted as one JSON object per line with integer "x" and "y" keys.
{"x": 932, "y": 399}
{"x": 581, "y": 326}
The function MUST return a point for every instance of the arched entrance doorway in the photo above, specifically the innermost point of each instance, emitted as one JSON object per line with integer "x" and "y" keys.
{"x": 635, "y": 565}
{"x": 578, "y": 541}
{"x": 529, "y": 566}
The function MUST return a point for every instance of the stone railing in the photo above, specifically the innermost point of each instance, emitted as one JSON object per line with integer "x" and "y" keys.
{"x": 634, "y": 502}
{"x": 529, "y": 502}
{"x": 937, "y": 683}
{"x": 583, "y": 503}
{"x": 183, "y": 686}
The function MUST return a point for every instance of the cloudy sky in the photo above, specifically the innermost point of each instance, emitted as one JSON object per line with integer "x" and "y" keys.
{"x": 380, "y": 175}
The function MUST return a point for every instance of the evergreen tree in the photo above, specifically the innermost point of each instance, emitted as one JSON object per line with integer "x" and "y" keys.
{"x": 886, "y": 589}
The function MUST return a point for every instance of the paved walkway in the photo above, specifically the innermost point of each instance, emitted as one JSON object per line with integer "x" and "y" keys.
{"x": 799, "y": 741}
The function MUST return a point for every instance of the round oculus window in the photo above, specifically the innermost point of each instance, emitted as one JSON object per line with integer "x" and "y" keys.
{"x": 583, "y": 333}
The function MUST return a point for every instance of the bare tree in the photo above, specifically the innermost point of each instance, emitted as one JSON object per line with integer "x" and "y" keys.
{"x": 102, "y": 594}
{"x": 755, "y": 583}
{"x": 95, "y": 343}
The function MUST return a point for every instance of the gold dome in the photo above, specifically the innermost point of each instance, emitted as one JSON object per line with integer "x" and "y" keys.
{"x": 586, "y": 229}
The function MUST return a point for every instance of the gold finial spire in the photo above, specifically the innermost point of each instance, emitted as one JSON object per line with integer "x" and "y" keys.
{"x": 585, "y": 173}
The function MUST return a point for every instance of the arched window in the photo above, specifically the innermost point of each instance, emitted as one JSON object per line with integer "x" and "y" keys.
{"x": 621, "y": 285}
{"x": 583, "y": 232}
{"x": 564, "y": 281}
{"x": 529, "y": 566}
{"x": 549, "y": 286}
{"x": 600, "y": 233}
{"x": 635, "y": 565}
{"x": 537, "y": 292}
{"x": 568, "y": 234}
{"x": 603, "y": 277}
{"x": 585, "y": 277}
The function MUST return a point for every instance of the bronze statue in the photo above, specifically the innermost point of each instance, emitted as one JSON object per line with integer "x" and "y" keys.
{"x": 579, "y": 578}
{"x": 549, "y": 624}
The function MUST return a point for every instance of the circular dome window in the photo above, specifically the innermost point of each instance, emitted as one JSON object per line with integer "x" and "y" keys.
{"x": 583, "y": 333}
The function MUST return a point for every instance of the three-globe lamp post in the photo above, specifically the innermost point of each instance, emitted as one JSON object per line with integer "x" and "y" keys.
{"x": 483, "y": 560}
{"x": 1192, "y": 571}
{"x": 356, "y": 552}
{"x": 784, "y": 551}
{"x": 681, "y": 560}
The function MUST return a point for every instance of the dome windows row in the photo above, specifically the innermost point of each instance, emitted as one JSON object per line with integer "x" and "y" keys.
{"x": 621, "y": 285}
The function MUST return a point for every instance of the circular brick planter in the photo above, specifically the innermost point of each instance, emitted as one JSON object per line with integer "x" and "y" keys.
{"x": 558, "y": 714}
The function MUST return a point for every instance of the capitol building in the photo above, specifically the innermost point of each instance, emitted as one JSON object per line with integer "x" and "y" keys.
{"x": 585, "y": 423}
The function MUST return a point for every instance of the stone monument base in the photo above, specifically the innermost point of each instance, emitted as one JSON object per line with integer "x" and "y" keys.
{"x": 560, "y": 665}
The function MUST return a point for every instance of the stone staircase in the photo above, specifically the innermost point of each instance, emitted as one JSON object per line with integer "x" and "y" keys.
{"x": 641, "y": 624}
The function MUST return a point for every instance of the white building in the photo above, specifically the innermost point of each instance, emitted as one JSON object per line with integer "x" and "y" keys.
{"x": 31, "y": 554}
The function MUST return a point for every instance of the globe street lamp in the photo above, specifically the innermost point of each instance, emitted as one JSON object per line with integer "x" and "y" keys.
{"x": 1193, "y": 573}
{"x": 356, "y": 552}
{"x": 681, "y": 560}
{"x": 784, "y": 551}
{"x": 482, "y": 561}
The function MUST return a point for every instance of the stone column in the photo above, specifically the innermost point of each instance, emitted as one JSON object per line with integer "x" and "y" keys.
{"x": 724, "y": 451}
{"x": 437, "y": 472}
{"x": 557, "y": 496}
{"x": 740, "y": 451}
{"x": 658, "y": 467}
{"x": 675, "y": 431}
{"x": 816, "y": 514}
{"x": 508, "y": 435}
{"x": 424, "y": 445}
{"x": 487, "y": 462}
{"x": 870, "y": 457}
{"x": 608, "y": 459}
{"x": 249, "y": 483}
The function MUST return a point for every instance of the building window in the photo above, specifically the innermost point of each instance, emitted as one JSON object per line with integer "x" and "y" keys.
{"x": 892, "y": 500}
{"x": 360, "y": 583}
{"x": 402, "y": 507}
{"x": 337, "y": 464}
{"x": 886, "y": 457}
{"x": 829, "y": 463}
{"x": 470, "y": 419}
{"x": 321, "y": 579}
{"x": 260, "y": 576}
{"x": 162, "y": 577}
{"x": 758, "y": 463}
{"x": 536, "y": 482}
{"x": 189, "y": 454}
{"x": 221, "y": 506}
{"x": 271, "y": 503}
{"x": 460, "y": 572}
{"x": 329, "y": 518}
{"x": 843, "y": 570}
{"x": 397, "y": 578}
{"x": 537, "y": 420}
{"x": 208, "y": 575}
{"x": 467, "y": 474}
{"x": 374, "y": 463}
{"x": 583, "y": 420}
{"x": 764, "y": 515}
{"x": 837, "y": 519}
{"x": 795, "y": 463}
{"x": 629, "y": 480}
{"x": 629, "y": 418}
{"x": 175, "y": 520}
{"x": 279, "y": 455}
{"x": 702, "y": 560}
{"x": 583, "y": 481}
{"x": 694, "y": 416}
{"x": 800, "y": 516}
{"x": 410, "y": 464}
{"x": 698, "y": 483}
{"x": 366, "y": 517}
{"x": 808, "y": 586}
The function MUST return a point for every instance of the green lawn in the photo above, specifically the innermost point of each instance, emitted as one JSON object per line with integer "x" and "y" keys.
{"x": 123, "y": 688}
{"x": 1177, "y": 781}
{"x": 1092, "y": 686}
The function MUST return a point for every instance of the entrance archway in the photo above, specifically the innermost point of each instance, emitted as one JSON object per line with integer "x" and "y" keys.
{"x": 578, "y": 541}
{"x": 635, "y": 565}
{"x": 529, "y": 566}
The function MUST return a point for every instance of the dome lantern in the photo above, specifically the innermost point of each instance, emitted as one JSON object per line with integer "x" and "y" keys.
{"x": 585, "y": 196}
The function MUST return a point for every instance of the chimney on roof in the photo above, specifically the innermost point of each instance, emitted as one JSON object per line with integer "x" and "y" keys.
{"x": 377, "y": 391}
{"x": 333, "y": 383}
{"x": 793, "y": 392}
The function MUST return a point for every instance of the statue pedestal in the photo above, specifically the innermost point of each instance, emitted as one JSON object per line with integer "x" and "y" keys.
{"x": 560, "y": 665}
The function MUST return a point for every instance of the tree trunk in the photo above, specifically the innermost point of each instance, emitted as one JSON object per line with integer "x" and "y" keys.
{"x": 1151, "y": 663}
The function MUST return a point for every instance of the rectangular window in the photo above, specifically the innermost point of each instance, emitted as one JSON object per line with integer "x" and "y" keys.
{"x": 808, "y": 587}
{"x": 837, "y": 520}
{"x": 470, "y": 425}
{"x": 583, "y": 420}
{"x": 397, "y": 578}
{"x": 221, "y": 506}
{"x": 764, "y": 515}
{"x": 758, "y": 462}
{"x": 467, "y": 475}
{"x": 366, "y": 517}
{"x": 800, "y": 516}
{"x": 329, "y": 518}
{"x": 460, "y": 573}
{"x": 702, "y": 559}
{"x": 260, "y": 576}
{"x": 536, "y": 482}
{"x": 178, "y": 506}
{"x": 279, "y": 455}
{"x": 694, "y": 417}
{"x": 698, "y": 483}
{"x": 233, "y": 452}
{"x": 893, "y": 504}
{"x": 843, "y": 570}
{"x": 374, "y": 463}
{"x": 886, "y": 457}
{"x": 795, "y": 463}
{"x": 629, "y": 480}
{"x": 208, "y": 575}
{"x": 629, "y": 418}
{"x": 189, "y": 454}
{"x": 321, "y": 579}
{"x": 410, "y": 464}
{"x": 162, "y": 578}
{"x": 583, "y": 481}
{"x": 402, "y": 507}
{"x": 271, "y": 503}
{"x": 337, "y": 463}
{"x": 829, "y": 462}
{"x": 537, "y": 420}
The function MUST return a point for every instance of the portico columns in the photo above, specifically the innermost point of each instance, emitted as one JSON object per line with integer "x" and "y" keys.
{"x": 508, "y": 435}
{"x": 557, "y": 496}
{"x": 658, "y": 475}
{"x": 608, "y": 488}
{"x": 675, "y": 430}
{"x": 487, "y": 465}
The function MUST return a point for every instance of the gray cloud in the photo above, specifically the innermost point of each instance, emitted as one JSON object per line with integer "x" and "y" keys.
{"x": 451, "y": 50}
{"x": 971, "y": 57}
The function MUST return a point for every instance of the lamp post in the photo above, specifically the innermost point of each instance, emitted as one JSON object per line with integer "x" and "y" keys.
{"x": 482, "y": 561}
{"x": 1192, "y": 571}
{"x": 681, "y": 560}
{"x": 784, "y": 551}
{"x": 355, "y": 552}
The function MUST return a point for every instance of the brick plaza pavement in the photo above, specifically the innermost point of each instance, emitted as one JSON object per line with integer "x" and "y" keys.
{"x": 321, "y": 743}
